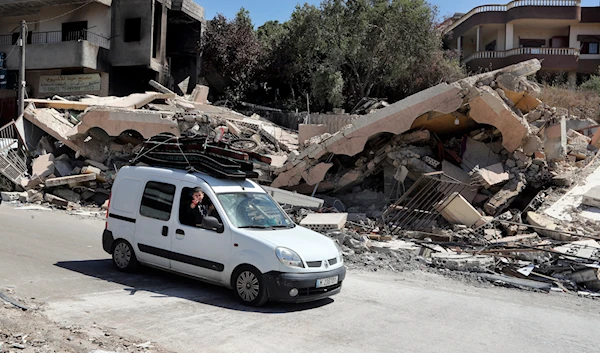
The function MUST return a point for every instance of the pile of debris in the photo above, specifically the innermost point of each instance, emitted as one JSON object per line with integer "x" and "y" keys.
{"x": 468, "y": 176}
{"x": 66, "y": 151}
{"x": 463, "y": 176}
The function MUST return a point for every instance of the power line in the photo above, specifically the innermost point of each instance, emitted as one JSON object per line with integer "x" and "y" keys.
{"x": 64, "y": 14}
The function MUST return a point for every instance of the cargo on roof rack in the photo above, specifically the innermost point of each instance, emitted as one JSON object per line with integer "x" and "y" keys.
{"x": 200, "y": 153}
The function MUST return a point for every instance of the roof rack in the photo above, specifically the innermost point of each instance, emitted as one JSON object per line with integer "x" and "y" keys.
{"x": 201, "y": 154}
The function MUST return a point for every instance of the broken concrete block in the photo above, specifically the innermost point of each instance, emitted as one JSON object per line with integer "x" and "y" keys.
{"x": 70, "y": 180}
{"x": 578, "y": 144}
{"x": 501, "y": 200}
{"x": 592, "y": 197}
{"x": 66, "y": 194}
{"x": 10, "y": 196}
{"x": 555, "y": 144}
{"x": 200, "y": 94}
{"x": 23, "y": 197}
{"x": 588, "y": 249}
{"x": 490, "y": 176}
{"x": 34, "y": 196}
{"x": 463, "y": 262}
{"x": 532, "y": 145}
{"x": 534, "y": 115}
{"x": 547, "y": 225}
{"x": 55, "y": 200}
{"x": 284, "y": 197}
{"x": 90, "y": 170}
{"x": 233, "y": 128}
{"x": 456, "y": 210}
{"x": 42, "y": 167}
{"x": 489, "y": 108}
{"x": 320, "y": 222}
{"x": 63, "y": 165}
{"x": 401, "y": 174}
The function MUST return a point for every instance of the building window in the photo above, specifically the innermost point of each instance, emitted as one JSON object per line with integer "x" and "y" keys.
{"x": 157, "y": 201}
{"x": 133, "y": 29}
{"x": 590, "y": 48}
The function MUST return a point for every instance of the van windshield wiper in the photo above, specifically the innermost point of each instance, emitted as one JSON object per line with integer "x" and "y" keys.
{"x": 256, "y": 227}
{"x": 283, "y": 226}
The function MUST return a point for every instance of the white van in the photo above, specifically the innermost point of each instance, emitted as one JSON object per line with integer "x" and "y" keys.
{"x": 248, "y": 243}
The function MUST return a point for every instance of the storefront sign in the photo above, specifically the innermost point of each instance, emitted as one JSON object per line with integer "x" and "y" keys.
{"x": 70, "y": 83}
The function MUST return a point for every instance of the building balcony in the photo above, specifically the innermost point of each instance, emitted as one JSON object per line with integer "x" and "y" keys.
{"x": 57, "y": 50}
{"x": 518, "y": 9}
{"x": 552, "y": 58}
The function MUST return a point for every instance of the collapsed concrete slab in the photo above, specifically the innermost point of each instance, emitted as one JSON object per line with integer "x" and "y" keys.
{"x": 395, "y": 119}
{"x": 115, "y": 121}
{"x": 54, "y": 124}
{"x": 444, "y": 104}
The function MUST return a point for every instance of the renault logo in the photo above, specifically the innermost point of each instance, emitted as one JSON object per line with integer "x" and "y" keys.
{"x": 326, "y": 264}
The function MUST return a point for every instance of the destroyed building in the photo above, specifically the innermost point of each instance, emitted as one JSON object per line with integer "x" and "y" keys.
{"x": 472, "y": 175}
{"x": 98, "y": 47}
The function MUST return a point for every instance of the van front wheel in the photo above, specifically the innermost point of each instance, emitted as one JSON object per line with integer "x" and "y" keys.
{"x": 123, "y": 257}
{"x": 249, "y": 286}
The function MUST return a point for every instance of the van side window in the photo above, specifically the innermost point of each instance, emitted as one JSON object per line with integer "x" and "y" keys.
{"x": 192, "y": 216}
{"x": 157, "y": 201}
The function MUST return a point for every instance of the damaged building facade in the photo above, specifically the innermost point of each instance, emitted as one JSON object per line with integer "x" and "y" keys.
{"x": 564, "y": 34}
{"x": 98, "y": 47}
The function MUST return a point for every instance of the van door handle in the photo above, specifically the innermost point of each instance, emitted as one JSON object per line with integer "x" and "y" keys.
{"x": 180, "y": 232}
{"x": 165, "y": 231}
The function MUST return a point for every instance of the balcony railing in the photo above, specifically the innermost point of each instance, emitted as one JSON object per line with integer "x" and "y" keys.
{"x": 521, "y": 51}
{"x": 57, "y": 37}
{"x": 510, "y": 5}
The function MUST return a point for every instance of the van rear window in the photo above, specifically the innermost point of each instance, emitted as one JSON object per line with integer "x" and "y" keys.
{"x": 157, "y": 201}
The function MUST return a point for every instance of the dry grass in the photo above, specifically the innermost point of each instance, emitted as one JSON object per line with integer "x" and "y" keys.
{"x": 584, "y": 104}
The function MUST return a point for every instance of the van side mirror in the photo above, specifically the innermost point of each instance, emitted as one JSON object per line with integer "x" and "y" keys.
{"x": 211, "y": 223}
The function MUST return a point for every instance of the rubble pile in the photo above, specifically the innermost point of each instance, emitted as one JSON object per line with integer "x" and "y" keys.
{"x": 467, "y": 176}
{"x": 461, "y": 177}
{"x": 76, "y": 145}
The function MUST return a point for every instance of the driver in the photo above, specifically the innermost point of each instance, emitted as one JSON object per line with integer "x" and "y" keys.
{"x": 192, "y": 213}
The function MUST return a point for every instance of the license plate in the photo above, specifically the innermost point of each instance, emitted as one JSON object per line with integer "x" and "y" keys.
{"x": 326, "y": 282}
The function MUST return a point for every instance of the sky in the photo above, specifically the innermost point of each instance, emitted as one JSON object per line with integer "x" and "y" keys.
{"x": 280, "y": 10}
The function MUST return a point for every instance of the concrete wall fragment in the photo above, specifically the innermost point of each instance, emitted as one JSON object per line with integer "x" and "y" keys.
{"x": 116, "y": 121}
{"x": 489, "y": 108}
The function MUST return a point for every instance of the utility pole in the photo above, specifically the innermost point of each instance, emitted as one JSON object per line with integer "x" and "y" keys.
{"x": 22, "y": 42}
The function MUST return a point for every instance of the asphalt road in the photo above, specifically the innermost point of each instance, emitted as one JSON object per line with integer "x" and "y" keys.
{"x": 58, "y": 259}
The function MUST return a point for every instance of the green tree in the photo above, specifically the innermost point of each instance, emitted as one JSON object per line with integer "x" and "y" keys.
{"x": 231, "y": 54}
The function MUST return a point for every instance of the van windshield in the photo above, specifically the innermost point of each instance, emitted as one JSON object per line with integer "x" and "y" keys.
{"x": 254, "y": 210}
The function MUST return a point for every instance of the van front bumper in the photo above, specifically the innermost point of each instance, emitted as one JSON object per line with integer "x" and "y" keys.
{"x": 279, "y": 285}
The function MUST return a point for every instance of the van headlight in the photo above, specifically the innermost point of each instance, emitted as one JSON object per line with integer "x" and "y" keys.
{"x": 289, "y": 257}
{"x": 340, "y": 257}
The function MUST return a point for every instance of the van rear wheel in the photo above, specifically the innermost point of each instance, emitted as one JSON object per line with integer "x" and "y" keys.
{"x": 123, "y": 257}
{"x": 249, "y": 286}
